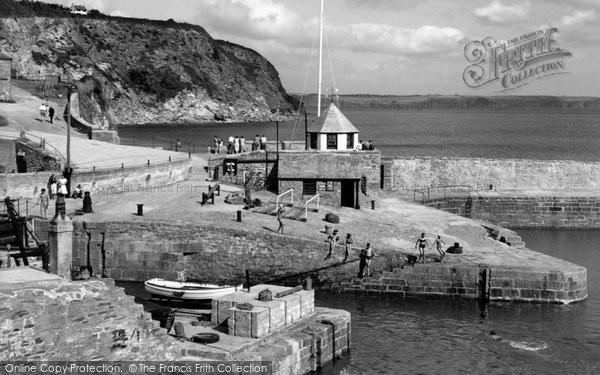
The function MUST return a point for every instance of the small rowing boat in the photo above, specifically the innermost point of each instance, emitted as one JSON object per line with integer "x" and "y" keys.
{"x": 187, "y": 290}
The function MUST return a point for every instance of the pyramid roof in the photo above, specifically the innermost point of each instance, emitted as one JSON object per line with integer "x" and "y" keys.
{"x": 332, "y": 121}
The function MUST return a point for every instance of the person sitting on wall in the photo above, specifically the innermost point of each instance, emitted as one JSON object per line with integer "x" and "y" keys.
{"x": 371, "y": 147}
{"x": 359, "y": 146}
{"x": 77, "y": 192}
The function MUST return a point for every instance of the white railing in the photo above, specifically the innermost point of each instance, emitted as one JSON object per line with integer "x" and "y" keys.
{"x": 306, "y": 205}
{"x": 291, "y": 192}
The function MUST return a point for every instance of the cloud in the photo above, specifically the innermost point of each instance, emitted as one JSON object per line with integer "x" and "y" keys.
{"x": 497, "y": 12}
{"x": 388, "y": 39}
{"x": 256, "y": 19}
{"x": 579, "y": 17}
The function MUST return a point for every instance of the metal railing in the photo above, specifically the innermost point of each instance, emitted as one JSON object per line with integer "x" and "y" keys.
{"x": 444, "y": 191}
{"x": 16, "y": 134}
{"x": 165, "y": 144}
{"x": 306, "y": 205}
{"x": 290, "y": 191}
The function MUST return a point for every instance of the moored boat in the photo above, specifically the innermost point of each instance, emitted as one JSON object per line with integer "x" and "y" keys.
{"x": 188, "y": 290}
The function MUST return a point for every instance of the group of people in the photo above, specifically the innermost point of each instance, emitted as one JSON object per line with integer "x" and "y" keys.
{"x": 364, "y": 146}
{"x": 365, "y": 256}
{"x": 55, "y": 187}
{"x": 237, "y": 145}
{"x": 422, "y": 244}
{"x": 46, "y": 110}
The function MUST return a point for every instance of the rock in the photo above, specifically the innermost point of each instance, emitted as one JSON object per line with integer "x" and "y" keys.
{"x": 332, "y": 218}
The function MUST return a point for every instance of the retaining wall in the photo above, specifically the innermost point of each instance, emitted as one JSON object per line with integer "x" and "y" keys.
{"x": 91, "y": 130}
{"x": 137, "y": 178}
{"x": 525, "y": 284}
{"x": 502, "y": 174}
{"x": 529, "y": 212}
{"x": 139, "y": 251}
{"x": 154, "y": 176}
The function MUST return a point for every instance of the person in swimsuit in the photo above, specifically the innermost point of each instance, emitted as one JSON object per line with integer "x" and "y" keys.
{"x": 421, "y": 244}
{"x": 439, "y": 244}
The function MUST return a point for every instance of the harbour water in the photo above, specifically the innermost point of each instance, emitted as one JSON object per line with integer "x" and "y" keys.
{"x": 415, "y": 336}
{"x": 542, "y": 133}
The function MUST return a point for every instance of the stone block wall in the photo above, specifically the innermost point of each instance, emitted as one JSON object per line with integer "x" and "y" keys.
{"x": 529, "y": 212}
{"x": 525, "y": 284}
{"x": 91, "y": 320}
{"x": 138, "y": 251}
{"x": 265, "y": 316}
{"x": 425, "y": 281}
{"x": 505, "y": 174}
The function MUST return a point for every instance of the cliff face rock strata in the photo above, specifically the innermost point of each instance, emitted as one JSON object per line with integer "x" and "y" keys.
{"x": 136, "y": 71}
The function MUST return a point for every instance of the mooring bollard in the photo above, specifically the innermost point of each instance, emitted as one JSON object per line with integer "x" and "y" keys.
{"x": 239, "y": 216}
{"x": 140, "y": 207}
{"x": 372, "y": 205}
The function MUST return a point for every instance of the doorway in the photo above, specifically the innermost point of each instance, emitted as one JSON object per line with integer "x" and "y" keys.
{"x": 348, "y": 197}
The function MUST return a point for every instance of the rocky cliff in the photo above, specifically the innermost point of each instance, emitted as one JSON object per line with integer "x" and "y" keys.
{"x": 132, "y": 71}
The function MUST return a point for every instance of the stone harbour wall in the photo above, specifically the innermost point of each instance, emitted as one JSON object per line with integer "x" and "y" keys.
{"x": 92, "y": 320}
{"x": 524, "y": 284}
{"x": 529, "y": 212}
{"x": 504, "y": 174}
{"x": 138, "y": 251}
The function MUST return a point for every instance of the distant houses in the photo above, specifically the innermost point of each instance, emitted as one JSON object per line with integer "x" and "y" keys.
{"x": 79, "y": 9}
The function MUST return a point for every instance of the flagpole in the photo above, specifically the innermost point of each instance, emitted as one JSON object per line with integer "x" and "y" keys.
{"x": 320, "y": 58}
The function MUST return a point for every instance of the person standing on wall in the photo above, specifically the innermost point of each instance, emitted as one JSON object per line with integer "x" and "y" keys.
{"x": 421, "y": 244}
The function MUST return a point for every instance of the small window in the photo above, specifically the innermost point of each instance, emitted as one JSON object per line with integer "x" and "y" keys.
{"x": 349, "y": 141}
{"x": 309, "y": 187}
{"x": 332, "y": 141}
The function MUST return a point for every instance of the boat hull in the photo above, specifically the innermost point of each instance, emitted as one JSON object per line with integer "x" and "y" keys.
{"x": 188, "y": 291}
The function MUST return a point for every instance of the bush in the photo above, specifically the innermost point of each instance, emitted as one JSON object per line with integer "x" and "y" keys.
{"x": 332, "y": 218}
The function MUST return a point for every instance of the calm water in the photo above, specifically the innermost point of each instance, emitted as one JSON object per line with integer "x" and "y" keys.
{"x": 549, "y": 133}
{"x": 394, "y": 336}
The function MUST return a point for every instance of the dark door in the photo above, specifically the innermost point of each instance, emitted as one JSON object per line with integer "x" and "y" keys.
{"x": 348, "y": 197}
{"x": 313, "y": 141}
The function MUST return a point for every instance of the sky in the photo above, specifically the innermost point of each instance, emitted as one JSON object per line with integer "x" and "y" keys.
{"x": 399, "y": 47}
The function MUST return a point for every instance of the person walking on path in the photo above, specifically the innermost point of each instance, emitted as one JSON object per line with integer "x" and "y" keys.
{"x": 62, "y": 187}
{"x": 236, "y": 145}
{"x": 439, "y": 244}
{"x": 178, "y": 145}
{"x": 332, "y": 240}
{"x": 242, "y": 144}
{"x": 280, "y": 211}
{"x": 43, "y": 110}
{"x": 421, "y": 244}
{"x": 51, "y": 114}
{"x": 43, "y": 202}
{"x": 348, "y": 246}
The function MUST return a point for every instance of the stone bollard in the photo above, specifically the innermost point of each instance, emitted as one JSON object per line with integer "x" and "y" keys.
{"x": 60, "y": 245}
{"x": 239, "y": 215}
{"x": 140, "y": 209}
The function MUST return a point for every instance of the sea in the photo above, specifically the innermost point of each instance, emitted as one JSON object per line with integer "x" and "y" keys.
{"x": 391, "y": 335}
